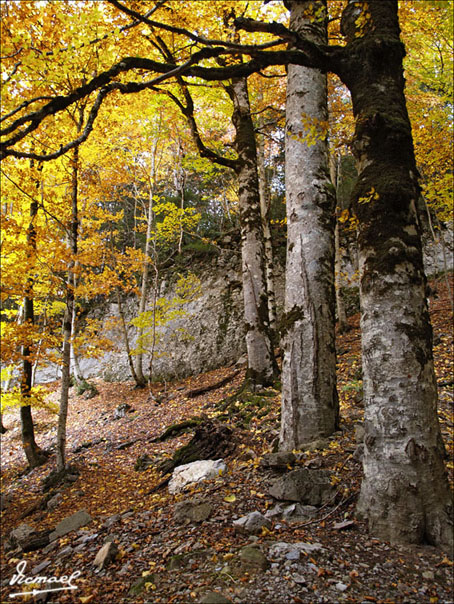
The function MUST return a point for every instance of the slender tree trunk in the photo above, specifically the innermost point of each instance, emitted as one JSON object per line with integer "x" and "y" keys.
{"x": 340, "y": 306}
{"x": 35, "y": 455}
{"x": 124, "y": 331}
{"x": 265, "y": 204}
{"x": 67, "y": 320}
{"x": 405, "y": 494}
{"x": 310, "y": 407}
{"x": 262, "y": 367}
{"x": 74, "y": 359}
{"x": 146, "y": 267}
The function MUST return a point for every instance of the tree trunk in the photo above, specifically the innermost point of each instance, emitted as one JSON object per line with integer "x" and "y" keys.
{"x": 67, "y": 320}
{"x": 265, "y": 203}
{"x": 340, "y": 306}
{"x": 141, "y": 380}
{"x": 262, "y": 366}
{"x": 309, "y": 397}
{"x": 35, "y": 455}
{"x": 405, "y": 494}
{"x": 74, "y": 359}
{"x": 124, "y": 330}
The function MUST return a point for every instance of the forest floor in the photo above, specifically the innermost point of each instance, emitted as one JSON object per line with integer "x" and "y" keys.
{"x": 177, "y": 562}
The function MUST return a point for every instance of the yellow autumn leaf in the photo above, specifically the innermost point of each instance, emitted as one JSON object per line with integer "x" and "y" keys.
{"x": 230, "y": 498}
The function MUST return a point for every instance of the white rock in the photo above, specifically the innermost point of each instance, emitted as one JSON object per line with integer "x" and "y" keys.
{"x": 195, "y": 472}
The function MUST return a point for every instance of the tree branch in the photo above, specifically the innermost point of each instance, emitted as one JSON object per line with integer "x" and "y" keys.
{"x": 187, "y": 33}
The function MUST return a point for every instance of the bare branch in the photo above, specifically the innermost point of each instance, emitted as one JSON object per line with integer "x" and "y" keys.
{"x": 25, "y": 104}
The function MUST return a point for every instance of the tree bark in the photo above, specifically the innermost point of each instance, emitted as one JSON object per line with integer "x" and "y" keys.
{"x": 405, "y": 493}
{"x": 67, "y": 319}
{"x": 309, "y": 397}
{"x": 124, "y": 331}
{"x": 262, "y": 367}
{"x": 34, "y": 454}
{"x": 141, "y": 380}
{"x": 265, "y": 203}
{"x": 340, "y": 306}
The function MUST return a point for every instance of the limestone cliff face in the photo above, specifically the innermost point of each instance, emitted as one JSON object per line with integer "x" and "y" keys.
{"x": 211, "y": 333}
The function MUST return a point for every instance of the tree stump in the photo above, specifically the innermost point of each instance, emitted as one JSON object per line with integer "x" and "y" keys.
{"x": 211, "y": 440}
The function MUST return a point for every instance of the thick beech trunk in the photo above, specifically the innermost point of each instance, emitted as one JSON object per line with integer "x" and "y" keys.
{"x": 262, "y": 367}
{"x": 405, "y": 494}
{"x": 309, "y": 395}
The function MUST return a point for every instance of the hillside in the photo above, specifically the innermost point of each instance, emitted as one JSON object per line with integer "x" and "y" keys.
{"x": 337, "y": 561}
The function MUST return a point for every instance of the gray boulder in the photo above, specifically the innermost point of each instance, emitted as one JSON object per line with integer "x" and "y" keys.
{"x": 213, "y": 597}
{"x": 71, "y": 523}
{"x": 311, "y": 487}
{"x": 296, "y": 512}
{"x": 20, "y": 534}
{"x": 253, "y": 557}
{"x": 105, "y": 555}
{"x": 193, "y": 510}
{"x": 278, "y": 461}
{"x": 292, "y": 551}
{"x": 252, "y": 523}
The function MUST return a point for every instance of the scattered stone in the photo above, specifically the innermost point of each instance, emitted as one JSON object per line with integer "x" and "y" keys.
{"x": 193, "y": 510}
{"x": 278, "y": 461}
{"x": 252, "y": 556}
{"x": 196, "y": 472}
{"x": 213, "y": 597}
{"x": 54, "y": 501}
{"x": 292, "y": 551}
{"x": 71, "y": 523}
{"x": 66, "y": 551}
{"x": 105, "y": 555}
{"x": 299, "y": 579}
{"x": 87, "y": 538}
{"x": 122, "y": 410}
{"x": 111, "y": 521}
{"x": 315, "y": 445}
{"x": 428, "y": 575}
{"x": 87, "y": 445}
{"x": 37, "y": 569}
{"x": 125, "y": 445}
{"x": 248, "y": 455}
{"x": 242, "y": 361}
{"x": 341, "y": 586}
{"x": 296, "y": 512}
{"x": 20, "y": 534}
{"x": 275, "y": 511}
{"x": 340, "y": 526}
{"x": 53, "y": 545}
{"x": 311, "y": 487}
{"x": 143, "y": 462}
{"x": 71, "y": 477}
{"x": 359, "y": 433}
{"x": 138, "y": 586}
{"x": 252, "y": 523}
